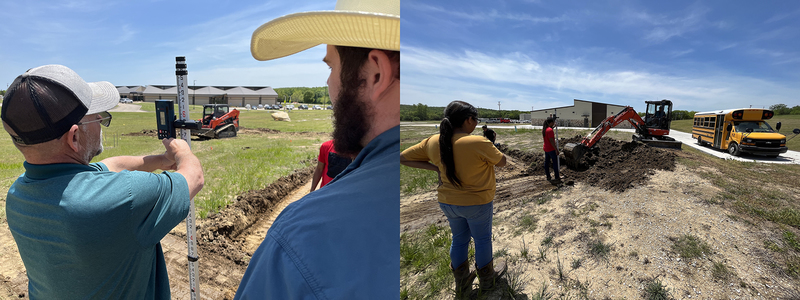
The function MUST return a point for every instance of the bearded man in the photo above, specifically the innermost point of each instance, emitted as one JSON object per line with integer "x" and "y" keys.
{"x": 341, "y": 242}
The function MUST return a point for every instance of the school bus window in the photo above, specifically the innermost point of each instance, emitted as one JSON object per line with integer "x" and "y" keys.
{"x": 756, "y": 126}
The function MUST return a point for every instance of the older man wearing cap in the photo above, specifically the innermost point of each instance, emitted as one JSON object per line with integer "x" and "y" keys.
{"x": 89, "y": 230}
{"x": 341, "y": 242}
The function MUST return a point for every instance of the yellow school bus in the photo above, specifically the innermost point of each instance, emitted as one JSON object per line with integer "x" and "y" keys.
{"x": 738, "y": 131}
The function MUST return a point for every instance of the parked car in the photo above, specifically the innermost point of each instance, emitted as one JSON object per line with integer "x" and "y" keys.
{"x": 259, "y": 106}
{"x": 505, "y": 120}
{"x": 289, "y": 107}
{"x": 303, "y": 106}
{"x": 277, "y": 106}
{"x": 125, "y": 100}
{"x": 317, "y": 107}
{"x": 329, "y": 107}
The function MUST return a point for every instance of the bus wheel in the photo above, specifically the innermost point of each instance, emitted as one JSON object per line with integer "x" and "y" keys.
{"x": 733, "y": 149}
{"x": 699, "y": 140}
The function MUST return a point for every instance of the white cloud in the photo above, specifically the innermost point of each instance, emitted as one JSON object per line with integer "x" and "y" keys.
{"x": 484, "y": 15}
{"x": 782, "y": 16}
{"x": 517, "y": 78}
{"x": 682, "y": 53}
{"x": 661, "y": 28}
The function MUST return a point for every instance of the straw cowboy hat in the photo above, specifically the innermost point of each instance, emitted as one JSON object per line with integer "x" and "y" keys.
{"x": 357, "y": 23}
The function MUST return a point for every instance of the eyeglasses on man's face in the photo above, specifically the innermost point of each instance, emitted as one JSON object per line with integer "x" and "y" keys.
{"x": 105, "y": 119}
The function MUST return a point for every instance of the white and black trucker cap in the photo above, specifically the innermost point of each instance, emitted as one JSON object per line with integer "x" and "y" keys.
{"x": 44, "y": 102}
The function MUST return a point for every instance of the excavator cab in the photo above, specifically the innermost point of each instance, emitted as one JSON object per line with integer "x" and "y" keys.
{"x": 658, "y": 114}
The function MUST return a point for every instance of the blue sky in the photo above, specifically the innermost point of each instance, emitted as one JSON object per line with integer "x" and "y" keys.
{"x": 136, "y": 42}
{"x": 702, "y": 55}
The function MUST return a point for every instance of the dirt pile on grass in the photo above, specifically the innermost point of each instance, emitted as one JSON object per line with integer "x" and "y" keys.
{"x": 610, "y": 164}
{"x": 144, "y": 132}
{"x": 218, "y": 233}
{"x": 257, "y": 130}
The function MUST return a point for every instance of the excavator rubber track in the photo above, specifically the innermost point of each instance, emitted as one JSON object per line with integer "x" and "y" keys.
{"x": 667, "y": 142}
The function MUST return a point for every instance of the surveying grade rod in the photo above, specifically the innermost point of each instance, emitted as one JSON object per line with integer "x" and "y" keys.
{"x": 555, "y": 131}
{"x": 186, "y": 135}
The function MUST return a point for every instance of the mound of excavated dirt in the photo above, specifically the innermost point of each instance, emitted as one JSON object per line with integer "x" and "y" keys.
{"x": 258, "y": 130}
{"x": 218, "y": 233}
{"x": 610, "y": 164}
{"x": 144, "y": 132}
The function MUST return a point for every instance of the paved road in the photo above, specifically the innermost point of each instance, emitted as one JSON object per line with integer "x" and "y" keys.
{"x": 127, "y": 107}
{"x": 790, "y": 157}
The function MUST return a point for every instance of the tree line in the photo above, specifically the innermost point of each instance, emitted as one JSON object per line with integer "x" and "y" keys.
{"x": 311, "y": 95}
{"x": 778, "y": 109}
{"x": 783, "y": 109}
{"x": 423, "y": 112}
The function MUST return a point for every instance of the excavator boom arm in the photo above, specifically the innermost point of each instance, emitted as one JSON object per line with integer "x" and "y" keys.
{"x": 627, "y": 114}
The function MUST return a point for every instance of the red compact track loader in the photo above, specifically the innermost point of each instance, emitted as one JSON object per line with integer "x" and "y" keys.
{"x": 218, "y": 122}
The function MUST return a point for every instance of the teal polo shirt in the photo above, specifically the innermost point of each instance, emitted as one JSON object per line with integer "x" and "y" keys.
{"x": 84, "y": 232}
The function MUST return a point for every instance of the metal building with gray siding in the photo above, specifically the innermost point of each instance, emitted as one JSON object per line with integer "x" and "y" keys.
{"x": 582, "y": 114}
{"x": 199, "y": 95}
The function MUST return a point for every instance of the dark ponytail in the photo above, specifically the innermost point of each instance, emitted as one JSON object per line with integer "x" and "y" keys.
{"x": 545, "y": 126}
{"x": 455, "y": 114}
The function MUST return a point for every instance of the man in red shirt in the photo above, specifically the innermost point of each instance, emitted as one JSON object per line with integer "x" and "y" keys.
{"x": 329, "y": 164}
{"x": 550, "y": 150}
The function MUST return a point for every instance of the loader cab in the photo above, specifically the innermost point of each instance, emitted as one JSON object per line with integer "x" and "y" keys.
{"x": 658, "y": 114}
{"x": 212, "y": 111}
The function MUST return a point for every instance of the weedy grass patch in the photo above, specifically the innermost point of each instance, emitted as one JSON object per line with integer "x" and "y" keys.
{"x": 655, "y": 290}
{"x": 720, "y": 271}
{"x": 689, "y": 246}
{"x": 426, "y": 253}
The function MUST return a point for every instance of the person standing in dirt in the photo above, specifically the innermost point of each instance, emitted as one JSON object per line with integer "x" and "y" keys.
{"x": 329, "y": 164}
{"x": 466, "y": 192}
{"x": 341, "y": 242}
{"x": 489, "y": 134}
{"x": 89, "y": 230}
{"x": 550, "y": 150}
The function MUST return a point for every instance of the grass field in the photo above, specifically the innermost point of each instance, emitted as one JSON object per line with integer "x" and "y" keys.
{"x": 231, "y": 166}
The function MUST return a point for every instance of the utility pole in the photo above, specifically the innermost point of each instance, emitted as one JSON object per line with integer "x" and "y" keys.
{"x": 498, "y": 109}
{"x": 194, "y": 90}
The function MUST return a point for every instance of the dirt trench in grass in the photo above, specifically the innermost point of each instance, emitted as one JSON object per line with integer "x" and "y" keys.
{"x": 633, "y": 201}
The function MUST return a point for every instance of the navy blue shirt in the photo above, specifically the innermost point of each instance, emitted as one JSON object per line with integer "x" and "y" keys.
{"x": 340, "y": 242}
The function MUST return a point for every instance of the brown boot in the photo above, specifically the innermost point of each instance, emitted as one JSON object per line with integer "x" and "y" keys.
{"x": 464, "y": 279}
{"x": 490, "y": 273}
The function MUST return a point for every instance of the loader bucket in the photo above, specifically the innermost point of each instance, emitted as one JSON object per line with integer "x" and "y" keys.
{"x": 573, "y": 154}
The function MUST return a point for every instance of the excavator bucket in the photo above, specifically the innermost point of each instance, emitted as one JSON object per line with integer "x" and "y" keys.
{"x": 573, "y": 153}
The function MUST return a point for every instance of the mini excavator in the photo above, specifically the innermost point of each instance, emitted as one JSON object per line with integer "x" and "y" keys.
{"x": 652, "y": 130}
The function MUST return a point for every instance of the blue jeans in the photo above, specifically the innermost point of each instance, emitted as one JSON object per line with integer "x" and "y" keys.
{"x": 470, "y": 221}
{"x": 550, "y": 158}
